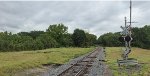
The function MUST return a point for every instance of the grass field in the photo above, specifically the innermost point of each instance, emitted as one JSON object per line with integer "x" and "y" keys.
{"x": 11, "y": 62}
{"x": 142, "y": 55}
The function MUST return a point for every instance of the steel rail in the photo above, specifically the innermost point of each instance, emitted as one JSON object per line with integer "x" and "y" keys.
{"x": 83, "y": 68}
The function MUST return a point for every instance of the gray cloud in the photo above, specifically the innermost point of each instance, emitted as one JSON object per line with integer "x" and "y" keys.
{"x": 97, "y": 17}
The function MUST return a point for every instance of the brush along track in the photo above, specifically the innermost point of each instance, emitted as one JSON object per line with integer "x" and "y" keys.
{"x": 82, "y": 66}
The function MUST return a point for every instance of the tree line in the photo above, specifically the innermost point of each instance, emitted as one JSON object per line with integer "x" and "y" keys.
{"x": 55, "y": 36}
{"x": 141, "y": 38}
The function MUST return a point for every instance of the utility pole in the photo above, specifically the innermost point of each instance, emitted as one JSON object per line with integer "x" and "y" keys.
{"x": 130, "y": 12}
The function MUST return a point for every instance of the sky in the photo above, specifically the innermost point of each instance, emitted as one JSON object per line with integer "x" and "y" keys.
{"x": 96, "y": 17}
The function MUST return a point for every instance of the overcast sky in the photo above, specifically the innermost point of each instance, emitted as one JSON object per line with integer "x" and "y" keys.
{"x": 97, "y": 17}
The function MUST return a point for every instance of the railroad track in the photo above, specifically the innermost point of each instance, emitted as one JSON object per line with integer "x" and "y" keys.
{"x": 82, "y": 66}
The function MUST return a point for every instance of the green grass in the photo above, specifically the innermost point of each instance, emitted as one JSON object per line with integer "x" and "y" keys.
{"x": 11, "y": 62}
{"x": 142, "y": 55}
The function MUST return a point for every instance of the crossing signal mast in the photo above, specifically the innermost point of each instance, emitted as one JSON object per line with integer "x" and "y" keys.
{"x": 127, "y": 63}
{"x": 126, "y": 35}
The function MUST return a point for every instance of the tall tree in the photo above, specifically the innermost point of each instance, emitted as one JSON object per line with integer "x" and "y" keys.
{"x": 58, "y": 32}
{"x": 79, "y": 38}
